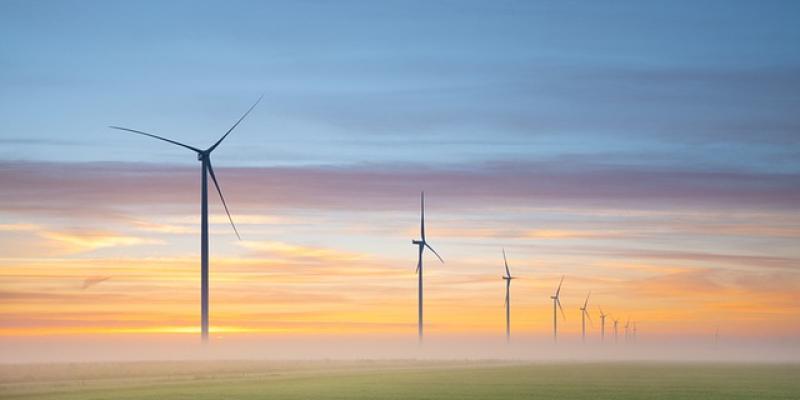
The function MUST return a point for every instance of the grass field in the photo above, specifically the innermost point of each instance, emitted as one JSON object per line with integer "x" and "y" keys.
{"x": 399, "y": 380}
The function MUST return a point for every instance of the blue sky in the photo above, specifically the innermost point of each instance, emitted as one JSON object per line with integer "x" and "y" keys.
{"x": 642, "y": 149}
{"x": 707, "y": 85}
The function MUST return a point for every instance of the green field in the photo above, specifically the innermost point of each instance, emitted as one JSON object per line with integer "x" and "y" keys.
{"x": 399, "y": 380}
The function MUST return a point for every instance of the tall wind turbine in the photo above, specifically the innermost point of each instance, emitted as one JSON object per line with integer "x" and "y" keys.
{"x": 602, "y": 325}
{"x": 507, "y": 277}
{"x": 204, "y": 156}
{"x": 584, "y": 315}
{"x": 422, "y": 243}
{"x": 616, "y": 331}
{"x": 557, "y": 303}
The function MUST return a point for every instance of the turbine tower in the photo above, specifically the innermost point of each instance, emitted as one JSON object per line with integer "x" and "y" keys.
{"x": 422, "y": 244}
{"x": 584, "y": 315}
{"x": 204, "y": 156}
{"x": 627, "y": 324}
{"x": 616, "y": 331}
{"x": 507, "y": 277}
{"x": 557, "y": 303}
{"x": 602, "y": 325}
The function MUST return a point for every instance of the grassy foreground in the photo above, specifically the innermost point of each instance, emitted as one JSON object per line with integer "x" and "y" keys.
{"x": 399, "y": 380}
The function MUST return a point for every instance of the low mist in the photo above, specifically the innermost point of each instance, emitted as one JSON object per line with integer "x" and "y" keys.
{"x": 306, "y": 347}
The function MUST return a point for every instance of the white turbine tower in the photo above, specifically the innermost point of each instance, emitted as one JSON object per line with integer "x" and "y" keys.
{"x": 584, "y": 315}
{"x": 422, "y": 244}
{"x": 627, "y": 336}
{"x": 507, "y": 277}
{"x": 602, "y": 325}
{"x": 557, "y": 303}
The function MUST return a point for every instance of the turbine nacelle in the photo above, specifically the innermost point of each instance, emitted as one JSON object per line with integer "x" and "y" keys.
{"x": 417, "y": 242}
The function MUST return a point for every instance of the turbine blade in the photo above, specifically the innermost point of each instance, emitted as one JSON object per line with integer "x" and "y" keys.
{"x": 210, "y": 149}
{"x": 508, "y": 273}
{"x": 586, "y": 303}
{"x": 434, "y": 252}
{"x": 419, "y": 260}
{"x": 422, "y": 216}
{"x": 221, "y": 197}
{"x": 559, "y": 285}
{"x": 156, "y": 137}
{"x": 589, "y": 316}
{"x": 564, "y": 316}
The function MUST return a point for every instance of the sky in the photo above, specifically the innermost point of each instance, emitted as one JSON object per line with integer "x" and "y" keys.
{"x": 647, "y": 151}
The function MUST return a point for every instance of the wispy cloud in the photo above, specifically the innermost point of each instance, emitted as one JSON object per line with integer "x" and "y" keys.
{"x": 307, "y": 253}
{"x": 83, "y": 241}
{"x": 19, "y": 227}
{"x": 757, "y": 261}
{"x": 93, "y": 280}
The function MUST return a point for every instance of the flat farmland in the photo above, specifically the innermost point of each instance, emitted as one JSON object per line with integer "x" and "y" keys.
{"x": 399, "y": 380}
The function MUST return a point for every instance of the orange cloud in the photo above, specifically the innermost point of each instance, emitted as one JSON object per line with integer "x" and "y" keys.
{"x": 83, "y": 241}
{"x": 18, "y": 227}
{"x": 286, "y": 250}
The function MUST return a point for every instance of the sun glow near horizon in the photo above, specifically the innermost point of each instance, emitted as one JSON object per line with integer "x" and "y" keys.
{"x": 657, "y": 168}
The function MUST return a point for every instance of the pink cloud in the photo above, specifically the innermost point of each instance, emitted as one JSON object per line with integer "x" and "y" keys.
{"x": 106, "y": 188}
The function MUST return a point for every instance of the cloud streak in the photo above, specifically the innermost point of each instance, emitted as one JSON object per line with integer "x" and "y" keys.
{"x": 93, "y": 280}
{"x": 107, "y": 188}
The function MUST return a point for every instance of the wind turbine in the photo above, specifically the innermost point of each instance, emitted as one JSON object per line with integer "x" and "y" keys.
{"x": 616, "y": 331}
{"x": 422, "y": 243}
{"x": 602, "y": 325}
{"x": 584, "y": 315}
{"x": 627, "y": 323}
{"x": 557, "y": 303}
{"x": 507, "y": 277}
{"x": 204, "y": 156}
{"x": 634, "y": 331}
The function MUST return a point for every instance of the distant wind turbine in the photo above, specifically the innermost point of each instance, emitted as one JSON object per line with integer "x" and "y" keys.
{"x": 507, "y": 277}
{"x": 616, "y": 331}
{"x": 204, "y": 156}
{"x": 584, "y": 315}
{"x": 634, "y": 331}
{"x": 557, "y": 303}
{"x": 627, "y": 324}
{"x": 602, "y": 325}
{"x": 422, "y": 243}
